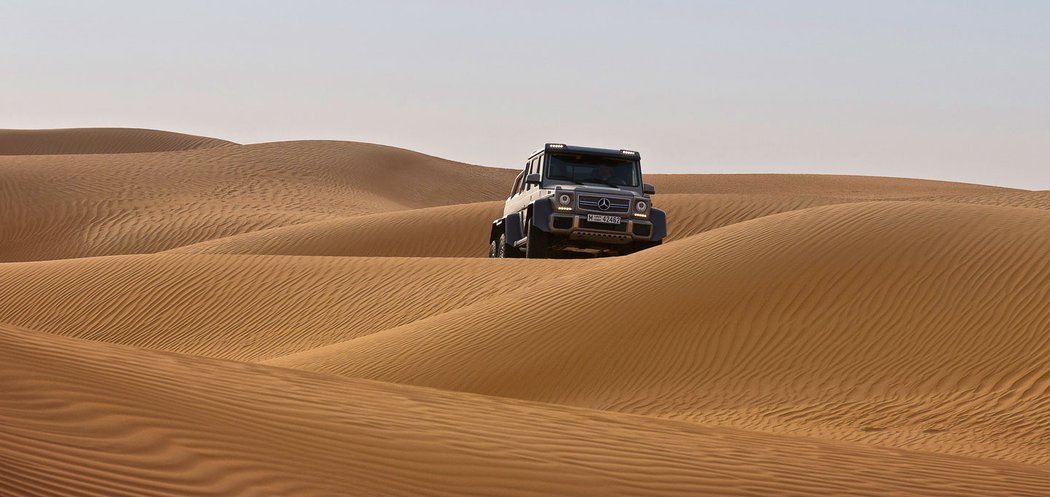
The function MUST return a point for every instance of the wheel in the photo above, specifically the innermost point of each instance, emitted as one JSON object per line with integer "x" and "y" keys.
{"x": 493, "y": 249}
{"x": 501, "y": 250}
{"x": 536, "y": 247}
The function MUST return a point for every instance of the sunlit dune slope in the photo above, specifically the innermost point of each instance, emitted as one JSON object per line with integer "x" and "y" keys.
{"x": 57, "y": 207}
{"x": 243, "y": 307}
{"x": 99, "y": 141}
{"x": 907, "y": 324}
{"x": 84, "y": 418}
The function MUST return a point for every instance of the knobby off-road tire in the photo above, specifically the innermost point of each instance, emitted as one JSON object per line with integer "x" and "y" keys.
{"x": 506, "y": 250}
{"x": 501, "y": 250}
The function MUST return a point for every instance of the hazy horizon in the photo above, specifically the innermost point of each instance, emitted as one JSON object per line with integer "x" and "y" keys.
{"x": 941, "y": 90}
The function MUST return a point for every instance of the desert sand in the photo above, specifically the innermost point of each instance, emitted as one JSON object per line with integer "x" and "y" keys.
{"x": 182, "y": 315}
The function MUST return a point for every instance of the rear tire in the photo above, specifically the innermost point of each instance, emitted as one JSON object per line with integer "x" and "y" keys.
{"x": 536, "y": 247}
{"x": 501, "y": 244}
{"x": 493, "y": 249}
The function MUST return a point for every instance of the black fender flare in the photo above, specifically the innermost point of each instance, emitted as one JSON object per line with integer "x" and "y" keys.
{"x": 541, "y": 214}
{"x": 512, "y": 228}
{"x": 497, "y": 228}
{"x": 659, "y": 220}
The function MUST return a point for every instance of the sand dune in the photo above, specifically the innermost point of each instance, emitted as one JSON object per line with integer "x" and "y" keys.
{"x": 59, "y": 207}
{"x": 796, "y": 334}
{"x": 84, "y": 418}
{"x": 246, "y": 308}
{"x": 99, "y": 141}
{"x": 907, "y": 324}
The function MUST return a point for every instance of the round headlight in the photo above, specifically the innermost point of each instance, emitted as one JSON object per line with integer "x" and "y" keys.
{"x": 641, "y": 206}
{"x": 564, "y": 199}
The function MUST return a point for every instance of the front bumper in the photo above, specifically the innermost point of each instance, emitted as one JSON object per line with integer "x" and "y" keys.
{"x": 575, "y": 226}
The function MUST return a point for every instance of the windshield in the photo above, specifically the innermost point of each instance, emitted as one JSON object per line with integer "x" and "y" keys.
{"x": 593, "y": 169}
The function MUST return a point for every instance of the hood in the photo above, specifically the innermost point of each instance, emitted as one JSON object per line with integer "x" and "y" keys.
{"x": 600, "y": 190}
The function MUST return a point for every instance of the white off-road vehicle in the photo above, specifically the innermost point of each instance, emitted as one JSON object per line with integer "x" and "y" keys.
{"x": 578, "y": 200}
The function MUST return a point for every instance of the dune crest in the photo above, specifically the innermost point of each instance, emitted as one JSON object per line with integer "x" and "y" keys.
{"x": 99, "y": 141}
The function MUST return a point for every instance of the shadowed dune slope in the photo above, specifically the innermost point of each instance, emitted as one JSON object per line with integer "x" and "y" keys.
{"x": 99, "y": 141}
{"x": 907, "y": 324}
{"x": 58, "y": 207}
{"x": 247, "y": 307}
{"x": 84, "y": 418}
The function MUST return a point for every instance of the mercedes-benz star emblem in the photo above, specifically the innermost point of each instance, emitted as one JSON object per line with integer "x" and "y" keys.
{"x": 604, "y": 204}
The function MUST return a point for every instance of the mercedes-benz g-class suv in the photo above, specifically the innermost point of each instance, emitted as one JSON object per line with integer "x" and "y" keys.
{"x": 575, "y": 201}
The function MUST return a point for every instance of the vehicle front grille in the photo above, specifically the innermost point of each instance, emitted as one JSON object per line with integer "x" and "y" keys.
{"x": 592, "y": 202}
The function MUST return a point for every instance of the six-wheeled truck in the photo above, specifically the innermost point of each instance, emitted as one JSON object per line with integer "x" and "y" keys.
{"x": 572, "y": 200}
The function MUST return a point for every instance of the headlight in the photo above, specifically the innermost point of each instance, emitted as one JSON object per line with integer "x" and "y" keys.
{"x": 564, "y": 199}
{"x": 641, "y": 206}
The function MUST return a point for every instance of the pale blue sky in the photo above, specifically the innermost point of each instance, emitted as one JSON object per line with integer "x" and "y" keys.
{"x": 956, "y": 90}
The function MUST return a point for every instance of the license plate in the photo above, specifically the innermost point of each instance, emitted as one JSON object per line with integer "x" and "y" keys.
{"x": 602, "y": 218}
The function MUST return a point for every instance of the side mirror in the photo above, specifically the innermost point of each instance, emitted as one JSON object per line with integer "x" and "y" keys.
{"x": 533, "y": 179}
{"x": 648, "y": 189}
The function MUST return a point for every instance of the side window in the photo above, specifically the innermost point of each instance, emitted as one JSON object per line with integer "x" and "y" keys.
{"x": 528, "y": 171}
{"x": 517, "y": 185}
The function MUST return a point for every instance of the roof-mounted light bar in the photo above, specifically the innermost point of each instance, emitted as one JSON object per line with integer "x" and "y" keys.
{"x": 556, "y": 145}
{"x": 628, "y": 152}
